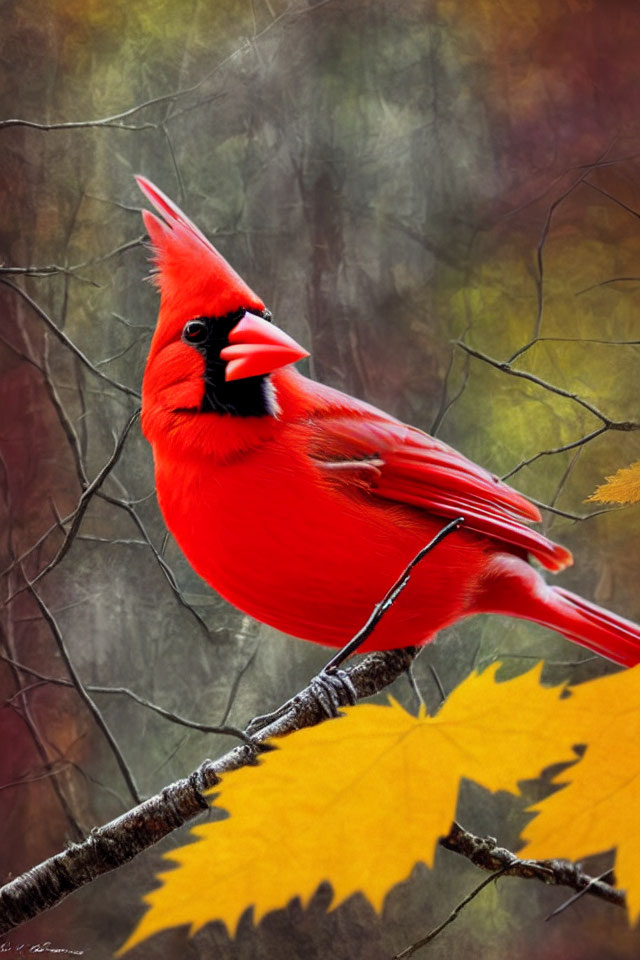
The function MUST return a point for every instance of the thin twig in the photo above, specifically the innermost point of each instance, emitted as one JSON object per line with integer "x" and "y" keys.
{"x": 119, "y": 841}
{"x": 506, "y": 367}
{"x": 64, "y": 339}
{"x": 415, "y": 689}
{"x": 83, "y": 694}
{"x": 572, "y": 516}
{"x": 162, "y": 563}
{"x": 438, "y": 682}
{"x": 484, "y": 852}
{"x": 390, "y": 597}
{"x": 606, "y": 283}
{"x": 87, "y": 494}
{"x": 223, "y": 729}
{"x": 235, "y": 686}
{"x": 611, "y": 196}
{"x": 24, "y": 713}
{"x": 578, "y": 896}
{"x": 112, "y": 121}
{"x": 423, "y": 941}
{"x": 574, "y": 444}
{"x": 54, "y": 269}
{"x": 446, "y": 403}
{"x": 542, "y": 240}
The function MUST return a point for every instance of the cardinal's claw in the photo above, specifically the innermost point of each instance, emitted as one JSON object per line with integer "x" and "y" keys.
{"x": 259, "y": 723}
{"x": 327, "y": 689}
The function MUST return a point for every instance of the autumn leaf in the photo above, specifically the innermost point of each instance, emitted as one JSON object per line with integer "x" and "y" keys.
{"x": 356, "y": 801}
{"x": 622, "y": 487}
{"x": 599, "y": 807}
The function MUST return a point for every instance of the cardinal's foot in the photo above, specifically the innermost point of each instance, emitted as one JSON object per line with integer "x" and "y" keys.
{"x": 329, "y": 689}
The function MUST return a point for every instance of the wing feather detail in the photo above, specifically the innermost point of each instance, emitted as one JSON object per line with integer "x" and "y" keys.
{"x": 404, "y": 465}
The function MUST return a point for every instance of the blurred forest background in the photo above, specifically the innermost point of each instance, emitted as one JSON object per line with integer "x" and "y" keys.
{"x": 391, "y": 176}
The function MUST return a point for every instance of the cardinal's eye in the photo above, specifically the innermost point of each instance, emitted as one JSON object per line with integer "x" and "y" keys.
{"x": 195, "y": 331}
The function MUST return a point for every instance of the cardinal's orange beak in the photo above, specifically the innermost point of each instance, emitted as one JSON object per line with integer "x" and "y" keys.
{"x": 257, "y": 347}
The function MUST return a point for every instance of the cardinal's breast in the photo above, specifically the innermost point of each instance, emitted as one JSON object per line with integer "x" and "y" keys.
{"x": 278, "y": 539}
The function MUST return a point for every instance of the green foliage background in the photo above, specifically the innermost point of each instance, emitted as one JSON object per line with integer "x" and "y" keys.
{"x": 391, "y": 177}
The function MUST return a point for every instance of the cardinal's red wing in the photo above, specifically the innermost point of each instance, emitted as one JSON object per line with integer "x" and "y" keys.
{"x": 362, "y": 446}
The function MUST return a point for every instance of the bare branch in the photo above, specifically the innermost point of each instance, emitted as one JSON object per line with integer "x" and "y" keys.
{"x": 544, "y": 234}
{"x": 76, "y": 124}
{"x": 611, "y": 196}
{"x": 438, "y": 683}
{"x": 65, "y": 421}
{"x": 605, "y": 283}
{"x": 59, "y": 524}
{"x": 113, "y": 121}
{"x": 235, "y": 686}
{"x": 162, "y": 563}
{"x": 423, "y": 941}
{"x": 24, "y": 712}
{"x": 554, "y": 450}
{"x": 83, "y": 694}
{"x": 578, "y": 896}
{"x": 131, "y": 324}
{"x": 50, "y": 270}
{"x": 446, "y": 402}
{"x": 54, "y": 269}
{"x": 119, "y": 841}
{"x": 484, "y": 852}
{"x": 76, "y": 518}
{"x": 481, "y": 665}
{"x": 566, "y": 513}
{"x": 64, "y": 339}
{"x": 174, "y": 162}
{"x": 506, "y": 367}
{"x": 222, "y": 729}
{"x": 51, "y": 771}
{"x": 607, "y": 343}
{"x": 125, "y": 350}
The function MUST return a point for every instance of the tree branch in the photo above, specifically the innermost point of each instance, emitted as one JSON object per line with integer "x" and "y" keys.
{"x": 114, "y": 844}
{"x": 76, "y": 518}
{"x": 423, "y": 941}
{"x": 223, "y": 729}
{"x": 484, "y": 852}
{"x": 506, "y": 367}
{"x": 82, "y": 691}
{"x": 119, "y": 841}
{"x": 67, "y": 342}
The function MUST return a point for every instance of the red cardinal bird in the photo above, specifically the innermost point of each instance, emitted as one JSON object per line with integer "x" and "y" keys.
{"x": 302, "y": 505}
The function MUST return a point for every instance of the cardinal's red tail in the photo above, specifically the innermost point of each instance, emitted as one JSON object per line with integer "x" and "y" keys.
{"x": 589, "y": 625}
{"x": 515, "y": 588}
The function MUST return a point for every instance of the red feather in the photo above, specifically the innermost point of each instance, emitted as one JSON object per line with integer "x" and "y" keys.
{"x": 303, "y": 517}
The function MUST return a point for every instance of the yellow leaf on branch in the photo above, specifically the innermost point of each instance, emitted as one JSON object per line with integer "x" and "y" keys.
{"x": 356, "y": 801}
{"x": 622, "y": 487}
{"x": 599, "y": 807}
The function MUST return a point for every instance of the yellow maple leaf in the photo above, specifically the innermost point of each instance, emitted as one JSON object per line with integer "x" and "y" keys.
{"x": 356, "y": 801}
{"x": 622, "y": 487}
{"x": 599, "y": 807}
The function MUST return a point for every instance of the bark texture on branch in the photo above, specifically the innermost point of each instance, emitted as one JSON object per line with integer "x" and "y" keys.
{"x": 484, "y": 852}
{"x": 119, "y": 841}
{"x": 114, "y": 844}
